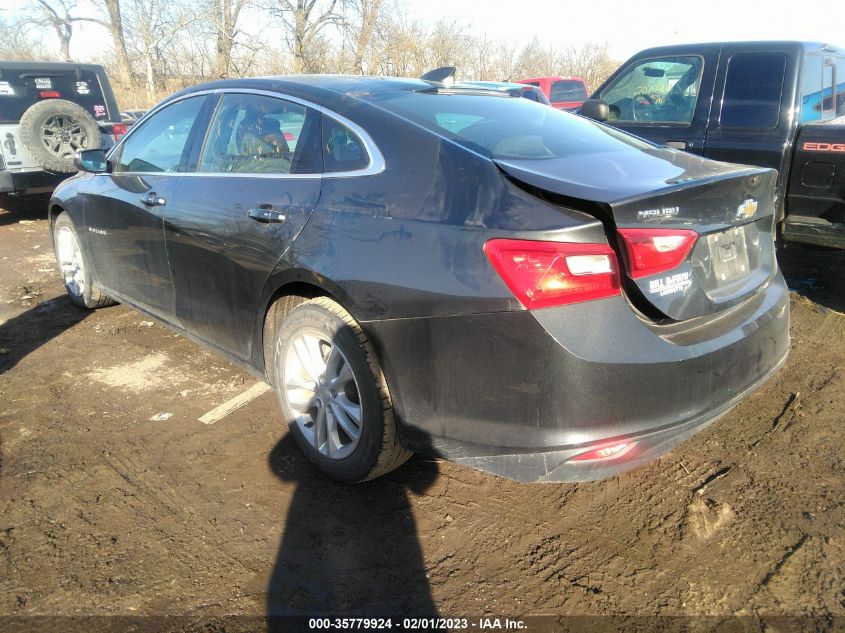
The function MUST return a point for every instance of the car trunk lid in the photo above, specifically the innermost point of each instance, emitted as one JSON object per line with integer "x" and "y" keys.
{"x": 728, "y": 210}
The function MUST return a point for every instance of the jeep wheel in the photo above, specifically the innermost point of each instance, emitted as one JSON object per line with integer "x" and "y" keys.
{"x": 53, "y": 130}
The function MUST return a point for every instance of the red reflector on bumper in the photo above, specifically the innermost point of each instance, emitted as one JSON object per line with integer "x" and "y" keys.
{"x": 613, "y": 451}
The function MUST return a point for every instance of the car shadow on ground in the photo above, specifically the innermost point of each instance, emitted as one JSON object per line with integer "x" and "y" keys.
{"x": 815, "y": 272}
{"x": 349, "y": 550}
{"x": 26, "y": 332}
{"x": 19, "y": 208}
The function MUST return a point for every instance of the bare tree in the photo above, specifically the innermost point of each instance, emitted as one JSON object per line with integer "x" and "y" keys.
{"x": 154, "y": 26}
{"x": 114, "y": 25}
{"x": 591, "y": 62}
{"x": 225, "y": 14}
{"x": 16, "y": 43}
{"x": 56, "y": 15}
{"x": 366, "y": 13}
{"x": 304, "y": 20}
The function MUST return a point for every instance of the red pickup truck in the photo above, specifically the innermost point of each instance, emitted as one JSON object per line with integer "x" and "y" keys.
{"x": 565, "y": 93}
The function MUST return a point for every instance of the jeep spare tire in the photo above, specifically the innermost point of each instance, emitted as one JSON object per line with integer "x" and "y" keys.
{"x": 53, "y": 130}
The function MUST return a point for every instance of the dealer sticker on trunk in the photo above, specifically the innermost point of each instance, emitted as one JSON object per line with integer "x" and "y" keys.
{"x": 671, "y": 284}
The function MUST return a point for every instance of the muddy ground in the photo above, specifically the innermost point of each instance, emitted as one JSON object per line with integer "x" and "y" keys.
{"x": 105, "y": 509}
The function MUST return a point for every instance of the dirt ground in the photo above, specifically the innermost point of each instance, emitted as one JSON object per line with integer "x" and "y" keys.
{"x": 116, "y": 500}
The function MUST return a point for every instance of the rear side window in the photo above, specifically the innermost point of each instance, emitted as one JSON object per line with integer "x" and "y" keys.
{"x": 257, "y": 134}
{"x": 161, "y": 142}
{"x": 811, "y": 89}
{"x": 342, "y": 149}
{"x": 753, "y": 89}
{"x": 20, "y": 89}
{"x": 568, "y": 90}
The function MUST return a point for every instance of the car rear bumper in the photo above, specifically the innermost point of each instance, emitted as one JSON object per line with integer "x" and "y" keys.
{"x": 35, "y": 181}
{"x": 520, "y": 393}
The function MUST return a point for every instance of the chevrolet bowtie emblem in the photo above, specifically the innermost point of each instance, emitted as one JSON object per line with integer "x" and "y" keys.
{"x": 746, "y": 209}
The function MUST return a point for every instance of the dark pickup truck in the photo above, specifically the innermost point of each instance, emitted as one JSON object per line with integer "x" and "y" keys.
{"x": 773, "y": 104}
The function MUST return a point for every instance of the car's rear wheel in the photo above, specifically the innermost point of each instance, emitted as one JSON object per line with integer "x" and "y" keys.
{"x": 74, "y": 267}
{"x": 333, "y": 393}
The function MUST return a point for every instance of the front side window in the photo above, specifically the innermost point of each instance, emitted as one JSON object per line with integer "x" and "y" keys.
{"x": 256, "y": 134}
{"x": 160, "y": 144}
{"x": 661, "y": 90}
{"x": 753, "y": 89}
{"x": 568, "y": 90}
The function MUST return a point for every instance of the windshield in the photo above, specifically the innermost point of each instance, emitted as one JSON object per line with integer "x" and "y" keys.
{"x": 507, "y": 127}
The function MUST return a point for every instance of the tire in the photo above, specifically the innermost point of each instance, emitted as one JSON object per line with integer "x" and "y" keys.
{"x": 52, "y": 130}
{"x": 79, "y": 284}
{"x": 342, "y": 349}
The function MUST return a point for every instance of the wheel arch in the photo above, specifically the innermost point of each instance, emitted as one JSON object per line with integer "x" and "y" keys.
{"x": 283, "y": 292}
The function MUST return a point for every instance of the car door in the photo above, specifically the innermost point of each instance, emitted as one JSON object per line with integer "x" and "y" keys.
{"x": 257, "y": 180}
{"x": 664, "y": 99}
{"x": 123, "y": 209}
{"x": 753, "y": 115}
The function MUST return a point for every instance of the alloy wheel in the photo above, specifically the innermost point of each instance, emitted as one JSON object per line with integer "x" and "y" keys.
{"x": 70, "y": 261}
{"x": 322, "y": 391}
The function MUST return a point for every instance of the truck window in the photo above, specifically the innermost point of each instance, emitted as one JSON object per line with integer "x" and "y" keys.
{"x": 811, "y": 89}
{"x": 20, "y": 89}
{"x": 828, "y": 104}
{"x": 659, "y": 90}
{"x": 567, "y": 90}
{"x": 840, "y": 89}
{"x": 753, "y": 89}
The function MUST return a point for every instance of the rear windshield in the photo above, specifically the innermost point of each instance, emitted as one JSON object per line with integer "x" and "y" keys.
{"x": 507, "y": 127}
{"x": 20, "y": 89}
{"x": 568, "y": 90}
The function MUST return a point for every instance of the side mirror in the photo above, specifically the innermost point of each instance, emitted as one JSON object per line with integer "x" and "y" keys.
{"x": 91, "y": 160}
{"x": 595, "y": 109}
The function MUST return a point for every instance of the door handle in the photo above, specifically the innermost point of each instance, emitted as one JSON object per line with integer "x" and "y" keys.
{"x": 152, "y": 199}
{"x": 266, "y": 216}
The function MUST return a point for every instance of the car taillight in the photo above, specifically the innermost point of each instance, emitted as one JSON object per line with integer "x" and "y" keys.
{"x": 118, "y": 130}
{"x": 544, "y": 274}
{"x": 651, "y": 251}
{"x": 289, "y": 136}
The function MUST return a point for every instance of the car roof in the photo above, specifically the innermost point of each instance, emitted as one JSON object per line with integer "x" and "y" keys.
{"x": 495, "y": 85}
{"x": 332, "y": 91}
{"x": 46, "y": 66}
{"x": 761, "y": 44}
{"x": 553, "y": 78}
{"x": 353, "y": 85}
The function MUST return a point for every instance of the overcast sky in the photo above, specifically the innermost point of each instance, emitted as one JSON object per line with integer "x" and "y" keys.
{"x": 626, "y": 25}
{"x": 630, "y": 25}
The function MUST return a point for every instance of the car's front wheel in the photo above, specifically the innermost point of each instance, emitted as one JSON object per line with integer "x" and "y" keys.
{"x": 74, "y": 266}
{"x": 333, "y": 393}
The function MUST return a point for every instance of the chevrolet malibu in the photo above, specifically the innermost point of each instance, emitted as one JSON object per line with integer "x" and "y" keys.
{"x": 451, "y": 271}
